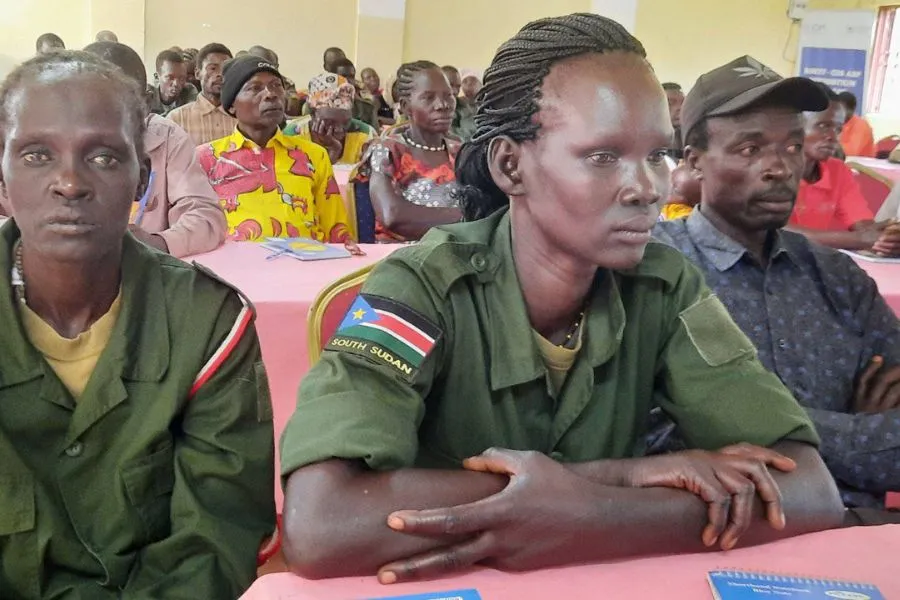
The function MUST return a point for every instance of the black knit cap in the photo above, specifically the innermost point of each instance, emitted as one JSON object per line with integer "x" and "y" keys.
{"x": 238, "y": 71}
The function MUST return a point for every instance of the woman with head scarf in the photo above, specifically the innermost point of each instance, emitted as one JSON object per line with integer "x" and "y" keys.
{"x": 330, "y": 123}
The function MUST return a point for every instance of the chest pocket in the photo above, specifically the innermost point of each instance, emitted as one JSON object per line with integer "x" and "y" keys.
{"x": 149, "y": 482}
{"x": 16, "y": 504}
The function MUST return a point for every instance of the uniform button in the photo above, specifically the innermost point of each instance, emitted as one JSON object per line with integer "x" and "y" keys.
{"x": 782, "y": 343}
{"x": 479, "y": 262}
{"x": 75, "y": 450}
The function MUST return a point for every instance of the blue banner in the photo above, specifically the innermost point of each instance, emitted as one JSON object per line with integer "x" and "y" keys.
{"x": 842, "y": 70}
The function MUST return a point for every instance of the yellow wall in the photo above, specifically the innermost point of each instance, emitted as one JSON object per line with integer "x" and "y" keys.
{"x": 298, "y": 30}
{"x": 681, "y": 44}
{"x": 379, "y": 45}
{"x": 466, "y": 33}
{"x": 22, "y": 21}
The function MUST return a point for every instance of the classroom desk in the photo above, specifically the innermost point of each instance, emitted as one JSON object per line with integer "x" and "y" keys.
{"x": 282, "y": 291}
{"x": 880, "y": 166}
{"x": 863, "y": 554}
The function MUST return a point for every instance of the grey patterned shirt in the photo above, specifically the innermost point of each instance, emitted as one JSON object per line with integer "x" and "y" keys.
{"x": 816, "y": 319}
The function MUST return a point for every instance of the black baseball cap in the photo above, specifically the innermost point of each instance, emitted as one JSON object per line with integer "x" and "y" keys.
{"x": 742, "y": 83}
{"x": 238, "y": 71}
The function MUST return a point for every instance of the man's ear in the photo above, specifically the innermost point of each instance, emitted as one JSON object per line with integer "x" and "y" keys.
{"x": 503, "y": 163}
{"x": 693, "y": 159}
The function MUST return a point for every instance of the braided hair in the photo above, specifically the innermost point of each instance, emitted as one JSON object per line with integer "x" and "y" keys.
{"x": 406, "y": 77}
{"x": 508, "y": 101}
{"x": 73, "y": 63}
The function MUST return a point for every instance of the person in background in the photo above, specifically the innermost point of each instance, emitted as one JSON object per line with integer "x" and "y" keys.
{"x": 471, "y": 85}
{"x": 330, "y": 123}
{"x": 49, "y": 42}
{"x": 292, "y": 106}
{"x": 270, "y": 184}
{"x": 204, "y": 120}
{"x": 685, "y": 194}
{"x": 363, "y": 109}
{"x": 830, "y": 207}
{"x": 172, "y": 89}
{"x": 463, "y": 125}
{"x": 190, "y": 61}
{"x": 815, "y": 318}
{"x": 106, "y": 36}
{"x": 137, "y": 425}
{"x": 181, "y": 214}
{"x": 330, "y": 59}
{"x": 675, "y": 97}
{"x": 373, "y": 93}
{"x": 857, "y": 138}
{"x": 411, "y": 169}
{"x": 508, "y": 430}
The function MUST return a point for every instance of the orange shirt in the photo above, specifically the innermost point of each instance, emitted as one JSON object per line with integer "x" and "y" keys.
{"x": 835, "y": 202}
{"x": 857, "y": 138}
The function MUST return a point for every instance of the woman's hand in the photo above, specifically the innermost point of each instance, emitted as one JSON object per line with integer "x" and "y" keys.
{"x": 322, "y": 133}
{"x": 728, "y": 481}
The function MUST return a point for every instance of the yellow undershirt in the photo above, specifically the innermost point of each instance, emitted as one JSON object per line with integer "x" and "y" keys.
{"x": 558, "y": 360}
{"x": 73, "y": 360}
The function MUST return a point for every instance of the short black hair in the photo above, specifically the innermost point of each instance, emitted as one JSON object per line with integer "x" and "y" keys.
{"x": 123, "y": 57}
{"x": 450, "y": 69}
{"x": 48, "y": 38}
{"x": 671, "y": 86}
{"x": 214, "y": 48}
{"x": 170, "y": 56}
{"x": 344, "y": 62}
{"x": 848, "y": 99}
{"x": 264, "y": 53}
{"x": 74, "y": 63}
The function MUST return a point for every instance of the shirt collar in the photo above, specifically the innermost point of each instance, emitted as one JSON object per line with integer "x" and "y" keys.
{"x": 205, "y": 107}
{"x": 720, "y": 250}
{"x": 153, "y": 139}
{"x": 142, "y": 322}
{"x": 238, "y": 140}
{"x": 515, "y": 358}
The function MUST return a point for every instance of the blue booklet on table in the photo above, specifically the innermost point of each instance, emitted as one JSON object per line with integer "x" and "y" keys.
{"x": 303, "y": 249}
{"x": 451, "y": 595}
{"x": 744, "y": 585}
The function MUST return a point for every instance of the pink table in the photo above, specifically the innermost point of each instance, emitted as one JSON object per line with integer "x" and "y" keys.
{"x": 883, "y": 167}
{"x": 887, "y": 276}
{"x": 282, "y": 290}
{"x": 866, "y": 554}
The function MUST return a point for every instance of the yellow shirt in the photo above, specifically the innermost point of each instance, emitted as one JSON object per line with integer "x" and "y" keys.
{"x": 286, "y": 189}
{"x": 675, "y": 210}
{"x": 73, "y": 360}
{"x": 558, "y": 360}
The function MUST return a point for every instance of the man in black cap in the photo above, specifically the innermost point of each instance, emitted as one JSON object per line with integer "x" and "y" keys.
{"x": 815, "y": 317}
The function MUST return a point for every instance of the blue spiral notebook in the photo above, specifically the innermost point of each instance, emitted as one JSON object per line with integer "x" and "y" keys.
{"x": 303, "y": 249}
{"x": 744, "y": 585}
{"x": 452, "y": 595}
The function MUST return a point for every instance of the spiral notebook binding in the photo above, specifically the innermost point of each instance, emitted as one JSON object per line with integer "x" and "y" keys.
{"x": 768, "y": 577}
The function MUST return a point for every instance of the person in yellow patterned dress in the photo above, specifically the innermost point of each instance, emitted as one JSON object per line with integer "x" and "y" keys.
{"x": 270, "y": 184}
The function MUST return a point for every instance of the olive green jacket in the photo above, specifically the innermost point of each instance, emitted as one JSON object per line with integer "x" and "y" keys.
{"x": 654, "y": 335}
{"x": 140, "y": 490}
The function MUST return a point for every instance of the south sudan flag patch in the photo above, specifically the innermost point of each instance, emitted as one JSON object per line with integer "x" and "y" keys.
{"x": 386, "y": 332}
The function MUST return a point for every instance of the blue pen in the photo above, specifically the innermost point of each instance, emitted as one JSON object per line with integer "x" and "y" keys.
{"x": 278, "y": 253}
{"x": 142, "y": 205}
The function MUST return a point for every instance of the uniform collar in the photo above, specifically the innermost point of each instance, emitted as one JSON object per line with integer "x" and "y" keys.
{"x": 515, "y": 357}
{"x": 718, "y": 249}
{"x": 138, "y": 349}
{"x": 238, "y": 140}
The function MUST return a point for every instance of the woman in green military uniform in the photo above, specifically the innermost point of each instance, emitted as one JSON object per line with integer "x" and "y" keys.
{"x": 486, "y": 398}
{"x": 136, "y": 449}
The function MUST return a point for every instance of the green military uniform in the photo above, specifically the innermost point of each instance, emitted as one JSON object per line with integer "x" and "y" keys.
{"x": 138, "y": 490}
{"x": 653, "y": 335}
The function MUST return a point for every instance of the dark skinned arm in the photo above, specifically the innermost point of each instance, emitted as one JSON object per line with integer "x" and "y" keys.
{"x": 329, "y": 538}
{"x": 402, "y": 217}
{"x": 861, "y": 237}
